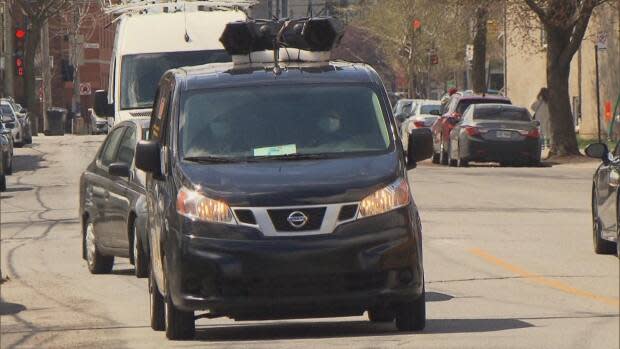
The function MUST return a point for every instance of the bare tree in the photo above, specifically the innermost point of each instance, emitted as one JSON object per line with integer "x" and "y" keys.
{"x": 565, "y": 23}
{"x": 38, "y": 12}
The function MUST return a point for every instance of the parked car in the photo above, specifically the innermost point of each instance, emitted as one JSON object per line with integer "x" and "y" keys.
{"x": 455, "y": 108}
{"x": 112, "y": 202}
{"x": 9, "y": 118}
{"x": 24, "y": 119}
{"x": 495, "y": 133}
{"x": 605, "y": 199}
{"x": 424, "y": 115}
{"x": 6, "y": 148}
{"x": 313, "y": 220}
{"x": 402, "y": 110}
{"x": 6, "y": 155}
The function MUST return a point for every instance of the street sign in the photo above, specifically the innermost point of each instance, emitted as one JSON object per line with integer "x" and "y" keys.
{"x": 93, "y": 45}
{"x": 469, "y": 52}
{"x": 85, "y": 89}
{"x": 601, "y": 40}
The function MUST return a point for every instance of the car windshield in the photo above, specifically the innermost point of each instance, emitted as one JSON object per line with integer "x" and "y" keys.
{"x": 465, "y": 103}
{"x": 428, "y": 108}
{"x": 250, "y": 123}
{"x": 7, "y": 113}
{"x": 502, "y": 114}
{"x": 141, "y": 73}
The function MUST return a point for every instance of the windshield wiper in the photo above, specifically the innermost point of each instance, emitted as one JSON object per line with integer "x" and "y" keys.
{"x": 292, "y": 157}
{"x": 210, "y": 159}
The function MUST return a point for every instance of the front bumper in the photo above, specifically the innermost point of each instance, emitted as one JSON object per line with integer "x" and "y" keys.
{"x": 369, "y": 263}
{"x": 477, "y": 149}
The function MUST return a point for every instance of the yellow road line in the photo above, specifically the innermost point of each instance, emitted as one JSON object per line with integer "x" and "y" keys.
{"x": 541, "y": 280}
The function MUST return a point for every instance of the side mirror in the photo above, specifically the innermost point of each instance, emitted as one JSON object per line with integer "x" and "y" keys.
{"x": 420, "y": 146}
{"x": 119, "y": 169}
{"x": 148, "y": 157}
{"x": 598, "y": 151}
{"x": 102, "y": 108}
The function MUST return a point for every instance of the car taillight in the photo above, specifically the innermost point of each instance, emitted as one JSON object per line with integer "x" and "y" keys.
{"x": 472, "y": 131}
{"x": 534, "y": 133}
{"x": 419, "y": 124}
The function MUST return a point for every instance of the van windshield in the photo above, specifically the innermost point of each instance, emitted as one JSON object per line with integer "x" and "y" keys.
{"x": 141, "y": 73}
{"x": 254, "y": 123}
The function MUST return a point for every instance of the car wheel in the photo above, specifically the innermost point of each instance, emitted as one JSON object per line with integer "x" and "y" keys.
{"x": 435, "y": 158}
{"x": 138, "y": 256}
{"x": 156, "y": 305}
{"x": 97, "y": 263}
{"x": 2, "y": 182}
{"x": 443, "y": 155}
{"x": 451, "y": 162}
{"x": 29, "y": 140}
{"x": 601, "y": 246}
{"x": 411, "y": 316}
{"x": 380, "y": 315}
{"x": 179, "y": 324}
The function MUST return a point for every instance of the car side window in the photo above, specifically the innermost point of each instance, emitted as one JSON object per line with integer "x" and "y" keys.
{"x": 127, "y": 146}
{"x": 111, "y": 146}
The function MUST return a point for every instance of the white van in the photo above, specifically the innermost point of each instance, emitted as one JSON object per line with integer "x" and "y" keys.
{"x": 151, "y": 39}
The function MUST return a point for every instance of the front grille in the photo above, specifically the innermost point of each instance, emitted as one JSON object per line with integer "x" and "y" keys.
{"x": 279, "y": 218}
{"x": 245, "y": 216}
{"x": 347, "y": 212}
{"x": 140, "y": 114}
{"x": 303, "y": 286}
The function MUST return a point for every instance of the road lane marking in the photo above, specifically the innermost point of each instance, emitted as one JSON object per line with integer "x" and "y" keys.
{"x": 538, "y": 279}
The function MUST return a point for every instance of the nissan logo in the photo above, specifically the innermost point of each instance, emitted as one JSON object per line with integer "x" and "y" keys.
{"x": 297, "y": 219}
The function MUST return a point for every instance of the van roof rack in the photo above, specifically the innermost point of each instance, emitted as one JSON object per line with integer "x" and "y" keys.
{"x": 159, "y": 6}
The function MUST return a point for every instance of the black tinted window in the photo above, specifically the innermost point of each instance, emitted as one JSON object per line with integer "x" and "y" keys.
{"x": 254, "y": 122}
{"x": 502, "y": 114}
{"x": 111, "y": 146}
{"x": 127, "y": 146}
{"x": 465, "y": 103}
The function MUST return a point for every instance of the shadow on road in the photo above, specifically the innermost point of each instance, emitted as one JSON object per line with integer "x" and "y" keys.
{"x": 28, "y": 162}
{"x": 10, "y": 308}
{"x": 13, "y": 190}
{"x": 286, "y": 331}
{"x": 437, "y": 297}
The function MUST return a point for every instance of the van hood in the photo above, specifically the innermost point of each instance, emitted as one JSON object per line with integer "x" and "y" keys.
{"x": 292, "y": 183}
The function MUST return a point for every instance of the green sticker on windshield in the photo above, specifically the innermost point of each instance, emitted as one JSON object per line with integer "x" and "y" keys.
{"x": 277, "y": 150}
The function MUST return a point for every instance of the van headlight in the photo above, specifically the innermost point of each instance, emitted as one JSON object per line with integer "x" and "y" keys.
{"x": 195, "y": 206}
{"x": 386, "y": 199}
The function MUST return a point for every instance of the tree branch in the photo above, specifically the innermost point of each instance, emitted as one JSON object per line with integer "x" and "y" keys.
{"x": 538, "y": 10}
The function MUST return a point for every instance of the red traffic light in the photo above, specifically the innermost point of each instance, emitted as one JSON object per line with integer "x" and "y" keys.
{"x": 20, "y": 33}
{"x": 416, "y": 24}
{"x": 20, "y": 71}
{"x": 19, "y": 62}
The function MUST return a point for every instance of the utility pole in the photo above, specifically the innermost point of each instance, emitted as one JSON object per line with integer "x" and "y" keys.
{"x": 412, "y": 83}
{"x": 9, "y": 71}
{"x": 76, "y": 47}
{"x": 45, "y": 71}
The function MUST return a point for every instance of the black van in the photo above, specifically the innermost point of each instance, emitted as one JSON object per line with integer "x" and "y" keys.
{"x": 279, "y": 194}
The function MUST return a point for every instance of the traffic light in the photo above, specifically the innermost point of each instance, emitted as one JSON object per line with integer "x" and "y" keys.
{"x": 20, "y": 39}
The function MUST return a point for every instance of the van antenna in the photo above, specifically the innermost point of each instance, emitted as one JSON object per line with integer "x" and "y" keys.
{"x": 187, "y": 38}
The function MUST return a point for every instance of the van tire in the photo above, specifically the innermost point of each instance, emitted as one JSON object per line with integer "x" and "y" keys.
{"x": 411, "y": 316}
{"x": 180, "y": 325}
{"x": 138, "y": 257}
{"x": 156, "y": 305}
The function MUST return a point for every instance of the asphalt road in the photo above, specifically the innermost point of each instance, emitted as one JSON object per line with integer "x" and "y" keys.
{"x": 508, "y": 258}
